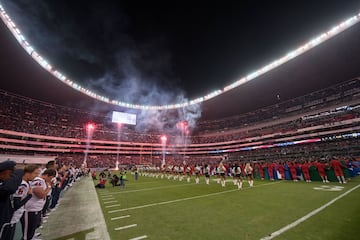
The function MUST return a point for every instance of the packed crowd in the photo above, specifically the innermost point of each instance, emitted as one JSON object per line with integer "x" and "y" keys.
{"x": 26, "y": 115}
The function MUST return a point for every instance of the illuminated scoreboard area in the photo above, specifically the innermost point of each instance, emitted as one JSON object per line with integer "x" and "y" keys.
{"x": 123, "y": 118}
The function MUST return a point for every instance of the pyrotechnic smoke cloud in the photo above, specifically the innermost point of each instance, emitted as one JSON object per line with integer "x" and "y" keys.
{"x": 138, "y": 72}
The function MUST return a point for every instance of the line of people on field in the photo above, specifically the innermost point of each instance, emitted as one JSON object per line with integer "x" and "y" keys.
{"x": 301, "y": 169}
{"x": 27, "y": 195}
{"x": 290, "y": 170}
{"x": 221, "y": 172}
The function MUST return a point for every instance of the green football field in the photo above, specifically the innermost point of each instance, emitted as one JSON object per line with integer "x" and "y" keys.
{"x": 155, "y": 208}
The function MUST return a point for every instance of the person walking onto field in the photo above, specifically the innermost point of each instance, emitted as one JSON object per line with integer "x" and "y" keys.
{"x": 249, "y": 174}
{"x": 222, "y": 172}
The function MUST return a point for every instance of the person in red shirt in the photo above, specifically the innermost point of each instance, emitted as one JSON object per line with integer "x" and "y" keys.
{"x": 271, "y": 171}
{"x": 320, "y": 166}
{"x": 292, "y": 166}
{"x": 281, "y": 170}
{"x": 305, "y": 170}
{"x": 337, "y": 166}
{"x": 262, "y": 170}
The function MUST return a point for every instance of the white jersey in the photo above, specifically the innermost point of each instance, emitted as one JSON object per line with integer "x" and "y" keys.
{"x": 221, "y": 169}
{"x": 36, "y": 204}
{"x": 249, "y": 170}
{"x": 21, "y": 193}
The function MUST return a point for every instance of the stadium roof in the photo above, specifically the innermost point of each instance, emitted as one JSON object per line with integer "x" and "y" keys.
{"x": 197, "y": 49}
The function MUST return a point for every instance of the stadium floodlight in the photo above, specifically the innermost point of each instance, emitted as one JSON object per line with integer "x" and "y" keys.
{"x": 90, "y": 127}
{"x": 291, "y": 55}
{"x": 163, "y": 139}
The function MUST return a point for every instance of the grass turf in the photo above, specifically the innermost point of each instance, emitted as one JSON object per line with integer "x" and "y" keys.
{"x": 168, "y": 209}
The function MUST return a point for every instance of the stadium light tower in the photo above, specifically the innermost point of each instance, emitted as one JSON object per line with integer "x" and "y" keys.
{"x": 163, "y": 139}
{"x": 89, "y": 128}
{"x": 183, "y": 126}
{"x": 119, "y": 126}
{"x": 121, "y": 118}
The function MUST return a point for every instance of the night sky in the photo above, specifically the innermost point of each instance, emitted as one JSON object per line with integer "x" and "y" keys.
{"x": 158, "y": 53}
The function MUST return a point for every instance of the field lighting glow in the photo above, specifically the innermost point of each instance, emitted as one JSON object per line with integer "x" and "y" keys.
{"x": 321, "y": 38}
{"x": 163, "y": 138}
{"x": 90, "y": 126}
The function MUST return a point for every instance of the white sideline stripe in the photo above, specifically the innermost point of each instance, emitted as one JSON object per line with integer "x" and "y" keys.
{"x": 125, "y": 227}
{"x": 115, "y": 205}
{"x": 154, "y": 188}
{"x": 189, "y": 198}
{"x": 121, "y": 217}
{"x": 138, "y": 238}
{"x": 307, "y": 216}
{"x": 110, "y": 202}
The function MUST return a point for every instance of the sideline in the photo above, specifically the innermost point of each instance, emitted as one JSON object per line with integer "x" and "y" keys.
{"x": 79, "y": 213}
{"x": 189, "y": 198}
{"x": 307, "y": 216}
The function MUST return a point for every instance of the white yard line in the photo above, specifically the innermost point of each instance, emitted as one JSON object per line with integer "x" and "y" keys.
{"x": 105, "y": 194}
{"x": 125, "y": 227}
{"x": 105, "y": 199}
{"x": 115, "y": 205}
{"x": 110, "y": 202}
{"x": 154, "y": 188}
{"x": 135, "y": 183}
{"x": 120, "y": 217}
{"x": 189, "y": 198}
{"x": 138, "y": 238}
{"x": 307, "y": 216}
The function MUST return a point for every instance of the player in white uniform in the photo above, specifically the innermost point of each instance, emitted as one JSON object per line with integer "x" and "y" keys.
{"x": 197, "y": 174}
{"x": 188, "y": 173}
{"x": 237, "y": 172}
{"x": 31, "y": 218}
{"x": 181, "y": 173}
{"x": 249, "y": 174}
{"x": 20, "y": 197}
{"x": 207, "y": 174}
{"x": 222, "y": 172}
